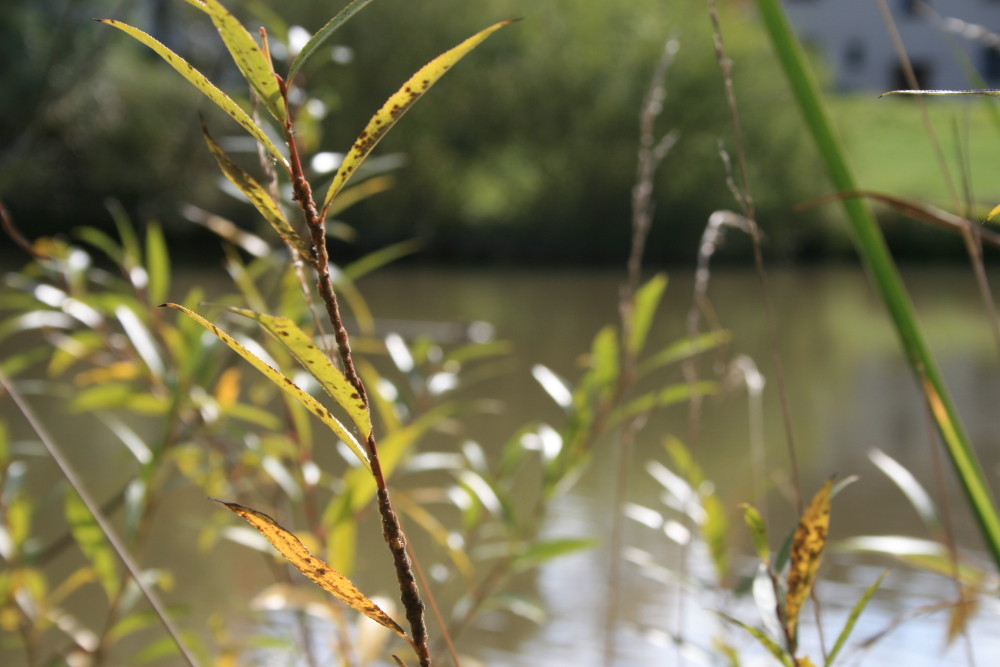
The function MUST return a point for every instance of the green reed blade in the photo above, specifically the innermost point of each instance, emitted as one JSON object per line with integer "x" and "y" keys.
{"x": 872, "y": 247}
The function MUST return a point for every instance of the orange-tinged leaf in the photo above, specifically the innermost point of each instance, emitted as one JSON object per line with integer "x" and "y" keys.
{"x": 807, "y": 553}
{"x": 399, "y": 104}
{"x": 227, "y": 389}
{"x": 328, "y": 579}
{"x": 201, "y": 82}
{"x": 258, "y": 196}
{"x": 962, "y": 613}
{"x": 317, "y": 363}
{"x": 286, "y": 385}
{"x": 256, "y": 67}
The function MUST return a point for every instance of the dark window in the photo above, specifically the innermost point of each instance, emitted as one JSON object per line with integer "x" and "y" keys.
{"x": 990, "y": 59}
{"x": 921, "y": 69}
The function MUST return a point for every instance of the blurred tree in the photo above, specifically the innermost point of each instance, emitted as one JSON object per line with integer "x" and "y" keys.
{"x": 526, "y": 153}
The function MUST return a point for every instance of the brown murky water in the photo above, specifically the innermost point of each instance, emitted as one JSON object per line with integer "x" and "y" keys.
{"x": 849, "y": 392}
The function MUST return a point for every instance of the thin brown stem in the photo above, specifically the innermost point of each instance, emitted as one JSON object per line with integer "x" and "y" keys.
{"x": 391, "y": 530}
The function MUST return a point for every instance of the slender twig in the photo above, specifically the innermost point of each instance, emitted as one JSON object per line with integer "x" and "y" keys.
{"x": 651, "y": 153}
{"x": 391, "y": 530}
{"x": 55, "y": 451}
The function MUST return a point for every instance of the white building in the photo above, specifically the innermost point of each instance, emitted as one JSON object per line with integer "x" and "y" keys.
{"x": 946, "y": 40}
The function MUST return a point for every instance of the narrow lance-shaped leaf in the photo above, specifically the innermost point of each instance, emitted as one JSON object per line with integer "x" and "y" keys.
{"x": 322, "y": 35}
{"x": 399, "y": 104}
{"x": 646, "y": 300}
{"x": 258, "y": 196}
{"x": 201, "y": 82}
{"x": 852, "y": 620}
{"x": 256, "y": 67}
{"x": 328, "y": 579}
{"x": 779, "y": 653}
{"x": 807, "y": 553}
{"x": 317, "y": 363}
{"x": 92, "y": 542}
{"x": 282, "y": 382}
{"x": 758, "y": 532}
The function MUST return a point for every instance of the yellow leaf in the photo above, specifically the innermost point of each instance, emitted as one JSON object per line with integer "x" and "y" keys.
{"x": 807, "y": 552}
{"x": 120, "y": 370}
{"x": 962, "y": 613}
{"x": 314, "y": 360}
{"x": 201, "y": 82}
{"x": 258, "y": 196}
{"x": 328, "y": 579}
{"x": 993, "y": 213}
{"x": 227, "y": 389}
{"x": 399, "y": 104}
{"x": 804, "y": 662}
{"x": 256, "y": 67}
{"x": 286, "y": 385}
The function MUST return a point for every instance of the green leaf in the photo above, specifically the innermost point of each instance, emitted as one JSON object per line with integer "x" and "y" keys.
{"x": 380, "y": 257}
{"x": 604, "y": 363}
{"x": 258, "y": 196}
{"x": 157, "y": 264}
{"x": 283, "y": 383}
{"x": 542, "y": 551}
{"x": 646, "y": 300}
{"x": 881, "y": 267}
{"x": 201, "y": 82}
{"x": 764, "y": 640}
{"x": 322, "y": 35}
{"x": 314, "y": 360}
{"x": 257, "y": 68}
{"x": 859, "y": 607}
{"x": 684, "y": 349}
{"x": 398, "y": 104}
{"x": 758, "y": 532}
{"x": 663, "y": 398}
{"x": 93, "y": 543}
{"x": 715, "y": 529}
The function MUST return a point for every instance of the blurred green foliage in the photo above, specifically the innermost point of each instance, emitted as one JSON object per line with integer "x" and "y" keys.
{"x": 527, "y": 155}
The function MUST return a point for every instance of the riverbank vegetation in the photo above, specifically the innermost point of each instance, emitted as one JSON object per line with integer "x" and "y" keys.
{"x": 268, "y": 398}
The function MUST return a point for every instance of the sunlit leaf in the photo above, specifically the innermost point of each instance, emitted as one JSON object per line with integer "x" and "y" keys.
{"x": 322, "y": 35}
{"x": 993, "y": 213}
{"x": 859, "y": 607}
{"x": 202, "y": 83}
{"x": 258, "y": 196}
{"x": 553, "y": 385}
{"x": 715, "y": 530}
{"x": 379, "y": 258}
{"x": 92, "y": 542}
{"x": 398, "y": 104}
{"x": 357, "y": 193}
{"x": 314, "y": 360}
{"x": 257, "y": 69}
{"x": 283, "y": 382}
{"x": 909, "y": 485}
{"x": 315, "y": 569}
{"x": 646, "y": 301}
{"x": 977, "y": 93}
{"x": 807, "y": 553}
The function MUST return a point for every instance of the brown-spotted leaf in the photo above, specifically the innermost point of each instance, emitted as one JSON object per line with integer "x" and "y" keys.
{"x": 301, "y": 346}
{"x": 258, "y": 196}
{"x": 328, "y": 579}
{"x": 399, "y": 104}
{"x": 256, "y": 67}
{"x": 807, "y": 553}
{"x": 201, "y": 82}
{"x": 285, "y": 384}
